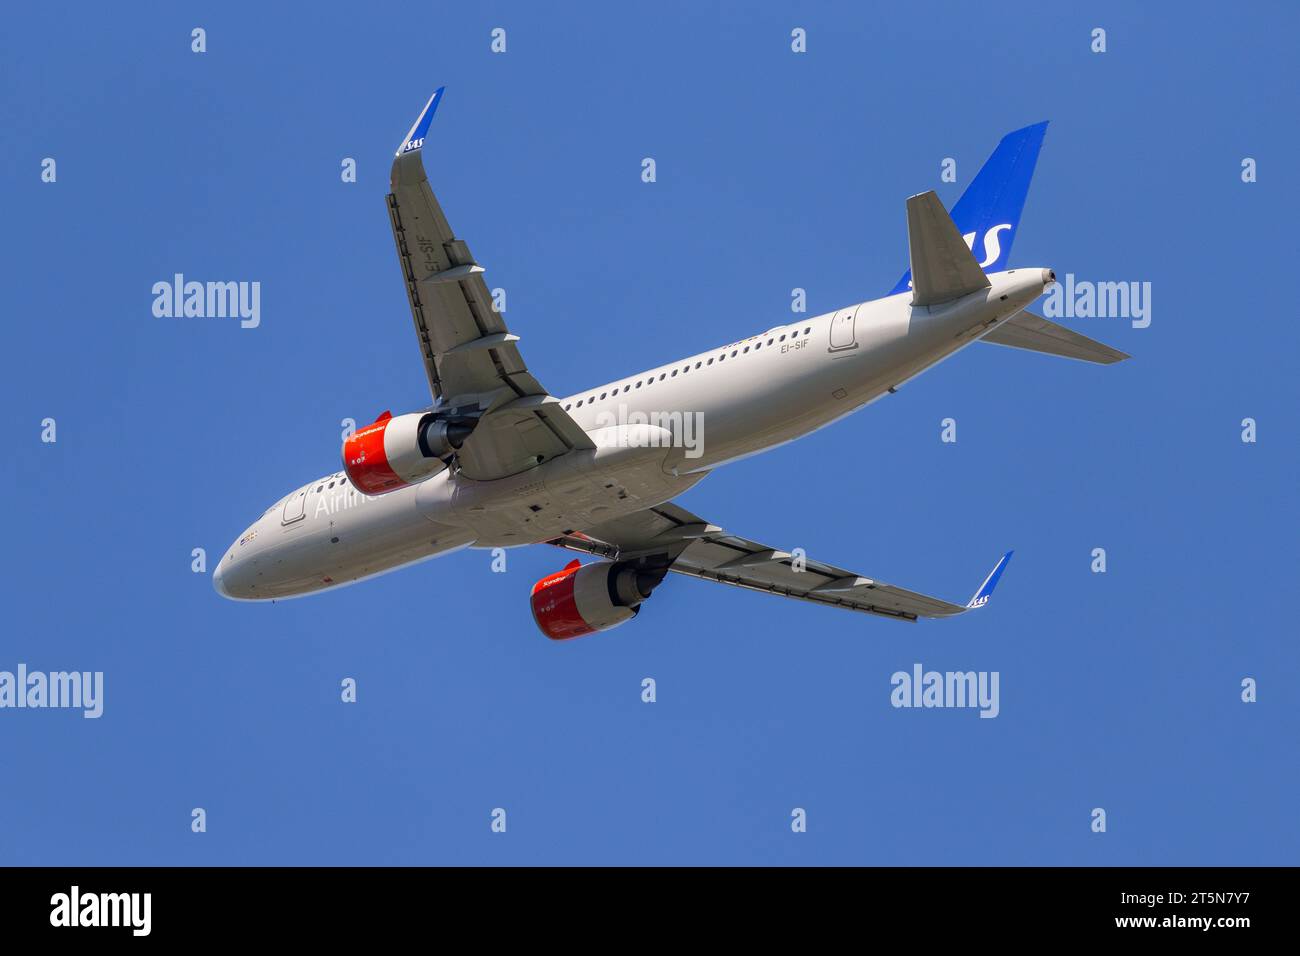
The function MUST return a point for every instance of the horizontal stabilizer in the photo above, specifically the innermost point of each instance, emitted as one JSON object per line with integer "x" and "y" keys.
{"x": 1037, "y": 334}
{"x": 943, "y": 267}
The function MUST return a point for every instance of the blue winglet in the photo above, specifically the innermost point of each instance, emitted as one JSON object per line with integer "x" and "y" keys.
{"x": 986, "y": 589}
{"x": 988, "y": 213}
{"x": 415, "y": 138}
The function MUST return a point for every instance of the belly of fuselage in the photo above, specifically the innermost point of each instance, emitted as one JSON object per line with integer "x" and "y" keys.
{"x": 574, "y": 492}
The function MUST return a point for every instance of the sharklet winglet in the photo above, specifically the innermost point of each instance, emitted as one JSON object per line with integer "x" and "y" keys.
{"x": 415, "y": 138}
{"x": 986, "y": 589}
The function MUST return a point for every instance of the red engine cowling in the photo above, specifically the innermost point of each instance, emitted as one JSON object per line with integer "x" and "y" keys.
{"x": 585, "y": 598}
{"x": 387, "y": 455}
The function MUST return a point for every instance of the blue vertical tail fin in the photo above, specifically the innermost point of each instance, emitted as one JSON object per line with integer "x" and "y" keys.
{"x": 988, "y": 213}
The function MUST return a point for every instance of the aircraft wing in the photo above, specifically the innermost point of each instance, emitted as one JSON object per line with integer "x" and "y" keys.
{"x": 690, "y": 545}
{"x": 471, "y": 358}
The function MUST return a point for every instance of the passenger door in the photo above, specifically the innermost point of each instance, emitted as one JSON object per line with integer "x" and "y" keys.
{"x": 295, "y": 508}
{"x": 843, "y": 333}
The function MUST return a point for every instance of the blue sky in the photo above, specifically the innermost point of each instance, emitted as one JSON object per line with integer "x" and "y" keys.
{"x": 775, "y": 170}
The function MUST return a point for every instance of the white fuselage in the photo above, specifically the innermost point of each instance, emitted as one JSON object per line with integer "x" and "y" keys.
{"x": 657, "y": 433}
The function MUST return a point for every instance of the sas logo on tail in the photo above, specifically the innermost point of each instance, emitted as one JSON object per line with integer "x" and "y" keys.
{"x": 992, "y": 244}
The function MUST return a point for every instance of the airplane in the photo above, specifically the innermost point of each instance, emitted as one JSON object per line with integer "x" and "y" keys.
{"x": 496, "y": 461}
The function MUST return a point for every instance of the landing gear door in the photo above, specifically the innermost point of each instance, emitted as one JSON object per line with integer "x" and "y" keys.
{"x": 295, "y": 508}
{"x": 843, "y": 333}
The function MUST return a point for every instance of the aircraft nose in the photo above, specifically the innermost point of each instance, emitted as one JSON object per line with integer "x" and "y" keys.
{"x": 218, "y": 580}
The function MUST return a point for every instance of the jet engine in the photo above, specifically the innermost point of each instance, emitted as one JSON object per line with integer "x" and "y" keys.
{"x": 394, "y": 452}
{"x": 585, "y": 598}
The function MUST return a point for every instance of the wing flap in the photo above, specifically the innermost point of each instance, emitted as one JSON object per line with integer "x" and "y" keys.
{"x": 817, "y": 582}
{"x": 450, "y": 302}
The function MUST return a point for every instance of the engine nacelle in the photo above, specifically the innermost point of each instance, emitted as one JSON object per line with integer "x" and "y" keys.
{"x": 398, "y": 451}
{"x": 585, "y": 598}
